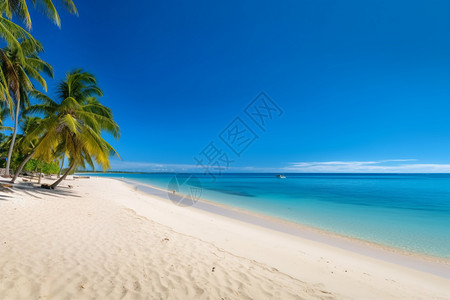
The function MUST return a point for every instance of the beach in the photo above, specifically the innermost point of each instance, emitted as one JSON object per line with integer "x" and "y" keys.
{"x": 107, "y": 239}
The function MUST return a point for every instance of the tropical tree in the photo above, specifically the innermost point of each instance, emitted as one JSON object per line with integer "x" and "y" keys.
{"x": 19, "y": 71}
{"x": 13, "y": 33}
{"x": 25, "y": 146}
{"x": 3, "y": 149}
{"x": 74, "y": 123}
{"x": 19, "y": 8}
{"x": 10, "y": 31}
{"x": 4, "y": 109}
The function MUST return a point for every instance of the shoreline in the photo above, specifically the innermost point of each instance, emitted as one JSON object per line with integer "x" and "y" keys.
{"x": 435, "y": 265}
{"x": 356, "y": 274}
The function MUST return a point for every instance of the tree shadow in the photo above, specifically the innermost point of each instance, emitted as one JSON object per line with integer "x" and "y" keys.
{"x": 34, "y": 190}
{"x": 4, "y": 191}
{"x": 4, "y": 197}
{"x": 61, "y": 191}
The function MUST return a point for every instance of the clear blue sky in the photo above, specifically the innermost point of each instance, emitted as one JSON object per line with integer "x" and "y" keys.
{"x": 361, "y": 83}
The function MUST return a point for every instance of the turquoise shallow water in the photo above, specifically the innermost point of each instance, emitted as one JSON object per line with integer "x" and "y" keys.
{"x": 406, "y": 211}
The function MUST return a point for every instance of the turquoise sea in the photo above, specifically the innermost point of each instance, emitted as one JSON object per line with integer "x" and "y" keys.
{"x": 406, "y": 211}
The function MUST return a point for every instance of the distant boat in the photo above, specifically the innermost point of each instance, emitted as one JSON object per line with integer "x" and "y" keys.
{"x": 281, "y": 176}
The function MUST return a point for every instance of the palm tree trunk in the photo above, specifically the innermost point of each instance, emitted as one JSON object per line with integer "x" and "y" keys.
{"x": 71, "y": 167}
{"x": 22, "y": 165}
{"x": 13, "y": 140}
{"x": 62, "y": 165}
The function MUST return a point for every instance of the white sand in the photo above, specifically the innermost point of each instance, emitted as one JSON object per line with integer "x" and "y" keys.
{"x": 105, "y": 240}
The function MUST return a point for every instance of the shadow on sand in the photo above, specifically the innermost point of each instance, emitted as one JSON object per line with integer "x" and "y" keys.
{"x": 32, "y": 189}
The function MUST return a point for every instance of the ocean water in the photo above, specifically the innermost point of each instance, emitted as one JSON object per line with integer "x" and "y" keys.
{"x": 406, "y": 211}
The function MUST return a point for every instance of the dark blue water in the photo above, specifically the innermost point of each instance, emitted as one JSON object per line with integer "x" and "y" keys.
{"x": 407, "y": 211}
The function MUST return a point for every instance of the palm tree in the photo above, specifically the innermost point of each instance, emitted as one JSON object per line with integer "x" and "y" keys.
{"x": 3, "y": 114}
{"x": 73, "y": 125}
{"x": 19, "y": 8}
{"x": 13, "y": 33}
{"x": 24, "y": 148}
{"x": 18, "y": 74}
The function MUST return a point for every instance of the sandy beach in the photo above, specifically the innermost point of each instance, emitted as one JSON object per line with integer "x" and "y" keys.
{"x": 106, "y": 239}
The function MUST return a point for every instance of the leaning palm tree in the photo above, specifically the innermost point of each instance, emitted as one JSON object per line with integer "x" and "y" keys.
{"x": 22, "y": 148}
{"x": 26, "y": 146}
{"x": 18, "y": 75}
{"x": 73, "y": 125}
{"x": 4, "y": 113}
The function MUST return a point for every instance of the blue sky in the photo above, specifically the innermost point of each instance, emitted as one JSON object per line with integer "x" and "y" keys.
{"x": 363, "y": 85}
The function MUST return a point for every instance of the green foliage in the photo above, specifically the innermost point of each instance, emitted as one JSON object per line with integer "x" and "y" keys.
{"x": 16, "y": 159}
{"x": 33, "y": 165}
{"x": 22, "y": 41}
{"x": 19, "y": 8}
{"x": 50, "y": 168}
{"x": 22, "y": 65}
{"x": 37, "y": 165}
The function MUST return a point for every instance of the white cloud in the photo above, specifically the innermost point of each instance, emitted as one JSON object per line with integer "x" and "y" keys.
{"x": 134, "y": 166}
{"x": 373, "y": 166}
{"x": 380, "y": 166}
